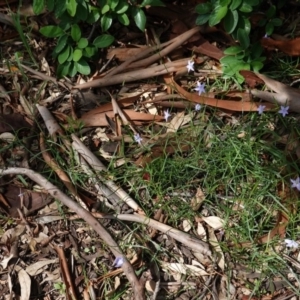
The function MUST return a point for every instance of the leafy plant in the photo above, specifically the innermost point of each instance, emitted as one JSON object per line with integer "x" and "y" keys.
{"x": 235, "y": 17}
{"x": 73, "y": 50}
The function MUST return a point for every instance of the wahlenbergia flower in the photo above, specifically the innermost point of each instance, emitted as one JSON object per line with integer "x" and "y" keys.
{"x": 200, "y": 88}
{"x": 197, "y": 107}
{"x": 261, "y": 109}
{"x": 284, "y": 110}
{"x": 138, "y": 138}
{"x": 167, "y": 115}
{"x": 118, "y": 262}
{"x": 291, "y": 243}
{"x": 190, "y": 66}
{"x": 296, "y": 183}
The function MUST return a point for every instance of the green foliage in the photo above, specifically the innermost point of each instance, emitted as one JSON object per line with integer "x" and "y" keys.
{"x": 234, "y": 16}
{"x": 73, "y": 50}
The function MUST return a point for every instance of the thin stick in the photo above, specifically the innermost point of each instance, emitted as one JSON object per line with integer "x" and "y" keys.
{"x": 88, "y": 217}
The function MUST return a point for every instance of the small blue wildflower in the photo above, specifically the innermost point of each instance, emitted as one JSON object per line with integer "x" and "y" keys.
{"x": 197, "y": 107}
{"x": 266, "y": 36}
{"x": 296, "y": 183}
{"x": 190, "y": 66}
{"x": 261, "y": 109}
{"x": 118, "y": 262}
{"x": 167, "y": 115}
{"x": 291, "y": 243}
{"x": 284, "y": 110}
{"x": 200, "y": 88}
{"x": 138, "y": 138}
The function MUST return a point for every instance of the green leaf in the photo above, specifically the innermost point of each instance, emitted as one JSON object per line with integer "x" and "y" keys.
{"x": 256, "y": 51}
{"x": 256, "y": 65}
{"x": 152, "y": 3}
{"x": 89, "y": 51}
{"x": 51, "y": 31}
{"x": 93, "y": 16}
{"x": 77, "y": 54}
{"x": 233, "y": 50}
{"x": 224, "y": 2}
{"x": 235, "y": 4}
{"x": 106, "y": 21}
{"x": 139, "y": 18}
{"x": 64, "y": 55}
{"x": 105, "y": 9}
{"x": 113, "y": 4}
{"x": 122, "y": 7}
{"x": 103, "y": 41}
{"x": 75, "y": 33}
{"x": 269, "y": 28}
{"x": 247, "y": 25}
{"x": 61, "y": 43}
{"x": 70, "y": 58}
{"x": 83, "y": 67}
{"x": 217, "y": 15}
{"x": 246, "y": 8}
{"x": 82, "y": 43}
{"x": 231, "y": 20}
{"x": 271, "y": 12}
{"x": 202, "y": 19}
{"x": 71, "y": 7}
{"x": 243, "y": 38}
{"x": 229, "y": 60}
{"x": 276, "y": 22}
{"x": 82, "y": 12}
{"x": 123, "y": 19}
{"x": 72, "y": 70}
{"x": 59, "y": 8}
{"x": 50, "y": 4}
{"x": 203, "y": 8}
{"x": 38, "y": 6}
{"x": 63, "y": 70}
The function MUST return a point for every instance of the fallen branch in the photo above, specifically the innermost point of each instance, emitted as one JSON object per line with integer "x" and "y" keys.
{"x": 88, "y": 217}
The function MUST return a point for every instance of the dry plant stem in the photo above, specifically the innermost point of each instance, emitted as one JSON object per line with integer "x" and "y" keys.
{"x": 128, "y": 77}
{"x": 66, "y": 273}
{"x": 88, "y": 217}
{"x": 141, "y": 55}
{"x": 170, "y": 46}
{"x": 51, "y": 124}
{"x": 95, "y": 163}
{"x": 176, "y": 42}
{"x": 49, "y": 160}
{"x": 184, "y": 238}
{"x": 40, "y": 75}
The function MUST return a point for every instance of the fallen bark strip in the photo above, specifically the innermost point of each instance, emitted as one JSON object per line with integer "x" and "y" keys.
{"x": 97, "y": 165}
{"x": 128, "y": 77}
{"x": 88, "y": 217}
{"x": 182, "y": 237}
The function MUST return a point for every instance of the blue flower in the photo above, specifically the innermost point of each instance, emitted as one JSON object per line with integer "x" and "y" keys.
{"x": 138, "y": 138}
{"x": 167, "y": 115}
{"x": 261, "y": 109}
{"x": 296, "y": 183}
{"x": 190, "y": 66}
{"x": 118, "y": 262}
{"x": 200, "y": 88}
{"x": 197, "y": 107}
{"x": 284, "y": 110}
{"x": 291, "y": 244}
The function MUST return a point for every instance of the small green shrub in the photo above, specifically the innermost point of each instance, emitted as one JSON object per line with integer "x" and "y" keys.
{"x": 74, "y": 51}
{"x": 235, "y": 17}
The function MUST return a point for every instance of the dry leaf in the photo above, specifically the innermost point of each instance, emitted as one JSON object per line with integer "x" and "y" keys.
{"x": 183, "y": 269}
{"x": 38, "y": 267}
{"x": 215, "y": 243}
{"x": 186, "y": 224}
{"x": 214, "y": 222}
{"x": 25, "y": 283}
{"x": 198, "y": 199}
